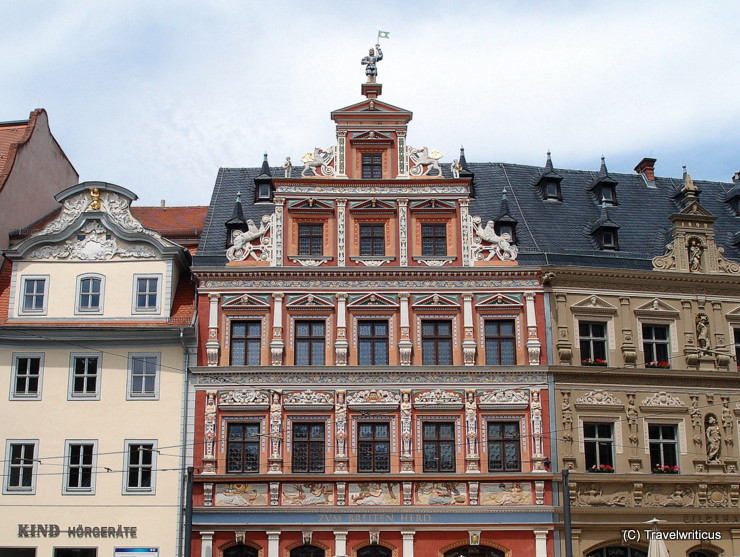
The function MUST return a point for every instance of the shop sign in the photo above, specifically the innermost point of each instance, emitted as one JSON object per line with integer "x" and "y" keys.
{"x": 79, "y": 531}
{"x": 136, "y": 552}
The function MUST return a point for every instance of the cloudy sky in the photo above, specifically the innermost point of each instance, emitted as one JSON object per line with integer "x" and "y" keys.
{"x": 156, "y": 96}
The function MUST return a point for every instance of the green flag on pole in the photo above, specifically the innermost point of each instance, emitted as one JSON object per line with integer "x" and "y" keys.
{"x": 384, "y": 34}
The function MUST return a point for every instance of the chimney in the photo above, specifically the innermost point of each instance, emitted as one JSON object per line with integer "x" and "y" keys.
{"x": 161, "y": 203}
{"x": 646, "y": 167}
{"x": 736, "y": 178}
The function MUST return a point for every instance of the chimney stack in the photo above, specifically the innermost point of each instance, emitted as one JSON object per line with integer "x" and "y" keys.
{"x": 646, "y": 167}
{"x": 161, "y": 203}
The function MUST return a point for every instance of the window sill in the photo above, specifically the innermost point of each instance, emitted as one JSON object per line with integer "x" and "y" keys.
{"x": 310, "y": 260}
{"x": 372, "y": 260}
{"x": 434, "y": 260}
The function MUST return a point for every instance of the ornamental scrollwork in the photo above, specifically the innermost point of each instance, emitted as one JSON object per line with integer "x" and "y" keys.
{"x": 599, "y": 396}
{"x": 487, "y": 244}
{"x": 243, "y": 397}
{"x": 242, "y": 242}
{"x": 422, "y": 161}
{"x": 320, "y": 159}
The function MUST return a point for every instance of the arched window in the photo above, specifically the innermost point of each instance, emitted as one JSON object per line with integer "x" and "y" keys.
{"x": 374, "y": 551}
{"x": 617, "y": 551}
{"x": 241, "y": 551}
{"x": 474, "y": 551}
{"x": 307, "y": 551}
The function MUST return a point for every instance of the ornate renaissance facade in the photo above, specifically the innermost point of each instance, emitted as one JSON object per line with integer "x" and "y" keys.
{"x": 371, "y": 378}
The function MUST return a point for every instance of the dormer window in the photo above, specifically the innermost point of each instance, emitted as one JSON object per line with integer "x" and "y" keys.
{"x": 608, "y": 239}
{"x": 372, "y": 165}
{"x": 608, "y": 194}
{"x": 502, "y": 228}
{"x": 552, "y": 191}
{"x": 264, "y": 192}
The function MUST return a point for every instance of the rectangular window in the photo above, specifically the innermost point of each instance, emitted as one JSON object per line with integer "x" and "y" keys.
{"x": 89, "y": 294}
{"x": 75, "y": 552}
{"x": 663, "y": 447}
{"x": 598, "y": 445}
{"x": 438, "y": 446}
{"x": 655, "y": 344}
{"x": 372, "y": 338}
{"x": 144, "y": 375}
{"x": 27, "y": 370}
{"x": 85, "y": 377}
{"x": 737, "y": 347}
{"x": 434, "y": 239}
{"x": 373, "y": 447}
{"x": 80, "y": 468}
{"x": 372, "y": 239}
{"x": 246, "y": 339}
{"x": 309, "y": 342}
{"x": 592, "y": 337}
{"x": 309, "y": 447}
{"x": 372, "y": 165}
{"x": 310, "y": 239}
{"x": 20, "y": 470}
{"x": 147, "y": 294}
{"x": 243, "y": 447}
{"x": 436, "y": 343}
{"x": 500, "y": 342}
{"x": 33, "y": 297}
{"x": 140, "y": 466}
{"x": 504, "y": 452}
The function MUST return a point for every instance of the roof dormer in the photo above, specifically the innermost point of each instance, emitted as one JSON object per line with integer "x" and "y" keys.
{"x": 263, "y": 188}
{"x": 549, "y": 182}
{"x": 604, "y": 231}
{"x": 604, "y": 187}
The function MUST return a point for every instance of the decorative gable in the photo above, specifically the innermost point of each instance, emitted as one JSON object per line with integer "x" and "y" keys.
{"x": 432, "y": 205}
{"x": 498, "y": 301}
{"x": 373, "y": 204}
{"x": 599, "y": 399}
{"x": 372, "y": 301}
{"x": 311, "y": 204}
{"x": 435, "y": 301}
{"x": 310, "y": 301}
{"x": 593, "y": 305}
{"x": 663, "y": 402}
{"x": 247, "y": 301}
{"x": 657, "y": 308}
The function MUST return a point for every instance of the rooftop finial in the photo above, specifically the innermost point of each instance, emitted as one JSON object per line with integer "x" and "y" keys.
{"x": 239, "y": 197}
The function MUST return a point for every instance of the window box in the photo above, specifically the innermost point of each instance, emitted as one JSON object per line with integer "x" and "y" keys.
{"x": 661, "y": 364}
{"x": 666, "y": 470}
{"x": 602, "y": 469}
{"x": 593, "y": 362}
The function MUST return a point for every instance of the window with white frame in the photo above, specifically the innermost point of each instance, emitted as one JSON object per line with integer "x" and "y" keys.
{"x": 310, "y": 340}
{"x": 143, "y": 375}
{"x": 598, "y": 443}
{"x": 79, "y": 467}
{"x": 20, "y": 466}
{"x": 140, "y": 466}
{"x": 592, "y": 341}
{"x": 90, "y": 294}
{"x": 34, "y": 297}
{"x": 656, "y": 345}
{"x": 737, "y": 346}
{"x": 27, "y": 374}
{"x": 84, "y": 379}
{"x": 146, "y": 293}
{"x": 663, "y": 439}
{"x": 438, "y": 446}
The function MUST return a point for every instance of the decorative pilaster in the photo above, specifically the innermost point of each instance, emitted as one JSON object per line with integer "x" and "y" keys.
{"x": 277, "y": 346}
{"x": 469, "y": 345}
{"x": 340, "y": 544}
{"x": 540, "y": 543}
{"x": 533, "y": 342}
{"x": 466, "y": 233}
{"x": 407, "y": 458}
{"x": 341, "y": 345}
{"x": 209, "y": 435}
{"x": 562, "y": 343}
{"x": 206, "y": 544}
{"x": 341, "y": 154}
{"x": 403, "y": 232}
{"x": 689, "y": 347}
{"x": 408, "y": 544}
{"x": 535, "y": 406}
{"x": 723, "y": 360}
{"x": 404, "y": 343}
{"x": 276, "y": 433}
{"x": 213, "y": 344}
{"x": 403, "y": 156}
{"x": 273, "y": 544}
{"x": 278, "y": 232}
{"x": 341, "y": 232}
{"x": 340, "y": 424}
{"x": 471, "y": 432}
{"x": 629, "y": 350}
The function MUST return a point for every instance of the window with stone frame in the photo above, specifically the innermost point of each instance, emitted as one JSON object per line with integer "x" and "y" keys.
{"x": 33, "y": 295}
{"x": 85, "y": 376}
{"x": 140, "y": 466}
{"x": 146, "y": 294}
{"x": 592, "y": 341}
{"x": 598, "y": 446}
{"x": 144, "y": 375}
{"x": 372, "y": 342}
{"x": 504, "y": 447}
{"x": 436, "y": 342}
{"x": 310, "y": 340}
{"x": 27, "y": 374}
{"x": 309, "y": 447}
{"x": 311, "y": 239}
{"x": 438, "y": 446}
{"x": 500, "y": 342}
{"x": 656, "y": 344}
{"x": 372, "y": 165}
{"x": 372, "y": 239}
{"x": 663, "y": 440}
{"x": 737, "y": 346}
{"x": 373, "y": 447}
{"x": 434, "y": 239}
{"x": 245, "y": 346}
{"x": 243, "y": 447}
{"x": 90, "y": 294}
{"x": 20, "y": 466}
{"x": 79, "y": 473}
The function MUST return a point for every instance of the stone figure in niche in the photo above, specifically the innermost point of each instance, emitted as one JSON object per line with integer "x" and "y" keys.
{"x": 695, "y": 253}
{"x": 702, "y": 331}
{"x": 714, "y": 438}
{"x": 288, "y": 168}
{"x": 370, "y": 61}
{"x": 406, "y": 423}
{"x": 471, "y": 422}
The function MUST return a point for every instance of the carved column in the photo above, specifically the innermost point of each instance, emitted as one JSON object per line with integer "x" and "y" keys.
{"x": 469, "y": 345}
{"x": 206, "y": 544}
{"x": 273, "y": 544}
{"x": 341, "y": 155}
{"x": 341, "y": 232}
{"x": 340, "y": 544}
{"x": 278, "y": 232}
{"x": 540, "y": 543}
{"x": 403, "y": 156}
{"x": 629, "y": 350}
{"x": 408, "y": 544}
{"x": 407, "y": 456}
{"x": 535, "y": 407}
{"x": 471, "y": 432}
{"x": 341, "y": 345}
{"x": 340, "y": 424}
{"x": 403, "y": 232}
{"x": 404, "y": 343}
{"x": 533, "y": 343}
{"x": 212, "y": 344}
{"x": 562, "y": 343}
{"x": 723, "y": 360}
{"x": 465, "y": 233}
{"x": 689, "y": 348}
{"x": 276, "y": 433}
{"x": 277, "y": 346}
{"x": 209, "y": 434}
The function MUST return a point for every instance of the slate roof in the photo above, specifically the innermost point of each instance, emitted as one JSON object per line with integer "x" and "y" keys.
{"x": 549, "y": 232}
